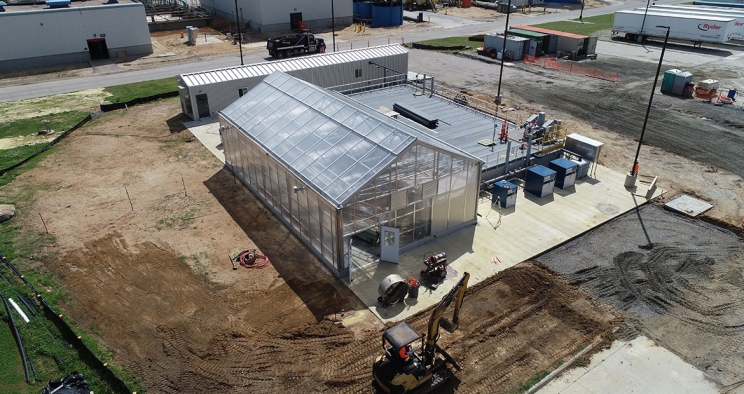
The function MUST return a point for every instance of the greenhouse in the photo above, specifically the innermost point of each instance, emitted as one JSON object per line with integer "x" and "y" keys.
{"x": 331, "y": 168}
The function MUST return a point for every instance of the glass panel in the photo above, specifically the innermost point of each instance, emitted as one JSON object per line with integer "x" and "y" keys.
{"x": 445, "y": 164}
{"x": 459, "y": 180}
{"x": 356, "y": 119}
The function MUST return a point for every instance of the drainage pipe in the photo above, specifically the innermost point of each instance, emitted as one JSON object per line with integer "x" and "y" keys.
{"x": 17, "y": 338}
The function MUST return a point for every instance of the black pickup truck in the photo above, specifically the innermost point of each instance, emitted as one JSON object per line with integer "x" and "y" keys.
{"x": 286, "y": 46}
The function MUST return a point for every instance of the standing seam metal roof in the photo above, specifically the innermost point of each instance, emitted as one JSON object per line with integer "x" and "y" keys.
{"x": 323, "y": 59}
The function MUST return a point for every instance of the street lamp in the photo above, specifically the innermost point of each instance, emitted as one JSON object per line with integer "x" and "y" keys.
{"x": 333, "y": 26}
{"x": 630, "y": 179}
{"x": 640, "y": 35}
{"x": 240, "y": 36}
{"x": 503, "y": 53}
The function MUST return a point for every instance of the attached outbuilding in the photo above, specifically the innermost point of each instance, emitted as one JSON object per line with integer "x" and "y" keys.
{"x": 330, "y": 168}
{"x": 61, "y": 32}
{"x": 205, "y": 93}
{"x": 269, "y": 16}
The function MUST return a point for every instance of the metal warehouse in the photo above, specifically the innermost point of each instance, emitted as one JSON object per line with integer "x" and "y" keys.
{"x": 62, "y": 33}
{"x": 205, "y": 93}
{"x": 280, "y": 15}
{"x": 330, "y": 167}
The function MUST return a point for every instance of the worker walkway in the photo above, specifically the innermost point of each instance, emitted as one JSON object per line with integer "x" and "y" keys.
{"x": 500, "y": 239}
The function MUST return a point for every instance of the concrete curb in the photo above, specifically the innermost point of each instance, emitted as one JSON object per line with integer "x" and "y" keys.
{"x": 561, "y": 369}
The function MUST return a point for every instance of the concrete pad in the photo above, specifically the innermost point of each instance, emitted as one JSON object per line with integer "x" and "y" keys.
{"x": 687, "y": 205}
{"x": 638, "y": 366}
{"x": 502, "y": 238}
{"x": 207, "y": 131}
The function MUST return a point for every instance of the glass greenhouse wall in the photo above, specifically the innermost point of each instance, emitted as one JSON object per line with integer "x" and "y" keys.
{"x": 329, "y": 167}
{"x": 424, "y": 183}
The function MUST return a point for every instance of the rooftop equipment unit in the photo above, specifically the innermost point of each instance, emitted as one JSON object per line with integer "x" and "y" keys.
{"x": 505, "y": 193}
{"x": 565, "y": 172}
{"x": 540, "y": 181}
{"x": 58, "y": 3}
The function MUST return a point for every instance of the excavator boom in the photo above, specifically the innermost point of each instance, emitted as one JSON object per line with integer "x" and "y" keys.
{"x": 456, "y": 294}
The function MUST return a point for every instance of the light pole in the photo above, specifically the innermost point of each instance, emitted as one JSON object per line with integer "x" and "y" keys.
{"x": 640, "y": 35}
{"x": 333, "y": 26}
{"x": 630, "y": 179}
{"x": 503, "y": 54}
{"x": 240, "y": 36}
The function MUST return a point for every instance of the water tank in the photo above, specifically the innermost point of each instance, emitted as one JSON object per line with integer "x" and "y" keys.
{"x": 565, "y": 170}
{"x": 539, "y": 181}
{"x": 505, "y": 193}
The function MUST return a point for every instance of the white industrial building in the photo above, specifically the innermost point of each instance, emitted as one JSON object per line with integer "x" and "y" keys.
{"x": 330, "y": 167}
{"x": 40, "y": 35}
{"x": 281, "y": 15}
{"x": 205, "y": 93}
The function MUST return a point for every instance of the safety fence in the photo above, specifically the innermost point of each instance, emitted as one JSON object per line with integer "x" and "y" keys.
{"x": 140, "y": 100}
{"x": 571, "y": 68}
{"x": 104, "y": 108}
{"x": 47, "y": 146}
{"x": 115, "y": 383}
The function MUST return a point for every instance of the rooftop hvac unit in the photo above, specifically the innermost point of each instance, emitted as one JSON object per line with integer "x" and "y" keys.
{"x": 58, "y": 3}
{"x": 505, "y": 193}
{"x": 565, "y": 172}
{"x": 539, "y": 181}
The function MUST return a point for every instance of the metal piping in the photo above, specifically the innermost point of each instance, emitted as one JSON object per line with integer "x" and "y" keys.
{"x": 17, "y": 336}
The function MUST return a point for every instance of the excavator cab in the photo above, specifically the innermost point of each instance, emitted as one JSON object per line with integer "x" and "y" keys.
{"x": 393, "y": 372}
{"x": 421, "y": 371}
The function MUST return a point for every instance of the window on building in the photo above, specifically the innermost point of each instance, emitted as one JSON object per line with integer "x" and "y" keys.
{"x": 358, "y": 73}
{"x": 242, "y": 91}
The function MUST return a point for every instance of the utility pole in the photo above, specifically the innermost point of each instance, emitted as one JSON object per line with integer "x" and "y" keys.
{"x": 333, "y": 26}
{"x": 630, "y": 180}
{"x": 503, "y": 53}
{"x": 240, "y": 36}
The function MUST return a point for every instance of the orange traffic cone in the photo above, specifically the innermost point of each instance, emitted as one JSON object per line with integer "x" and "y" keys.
{"x": 504, "y": 136}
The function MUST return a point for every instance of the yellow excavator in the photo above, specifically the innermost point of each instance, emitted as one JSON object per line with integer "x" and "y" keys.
{"x": 401, "y": 369}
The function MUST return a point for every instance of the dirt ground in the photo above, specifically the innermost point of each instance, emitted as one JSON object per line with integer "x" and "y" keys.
{"x": 685, "y": 292}
{"x": 155, "y": 285}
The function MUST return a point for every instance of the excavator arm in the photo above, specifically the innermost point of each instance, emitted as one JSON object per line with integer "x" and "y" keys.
{"x": 456, "y": 294}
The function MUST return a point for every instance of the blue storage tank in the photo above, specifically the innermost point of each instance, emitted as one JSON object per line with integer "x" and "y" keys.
{"x": 505, "y": 193}
{"x": 384, "y": 16}
{"x": 539, "y": 181}
{"x": 363, "y": 11}
{"x": 565, "y": 172}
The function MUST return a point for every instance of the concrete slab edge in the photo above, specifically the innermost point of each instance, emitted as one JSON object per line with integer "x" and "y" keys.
{"x": 562, "y": 368}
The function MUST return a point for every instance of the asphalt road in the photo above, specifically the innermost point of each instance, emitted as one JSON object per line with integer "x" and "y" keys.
{"x": 445, "y": 27}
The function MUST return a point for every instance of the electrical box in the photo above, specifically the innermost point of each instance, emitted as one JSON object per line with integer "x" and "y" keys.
{"x": 565, "y": 172}
{"x": 539, "y": 181}
{"x": 505, "y": 193}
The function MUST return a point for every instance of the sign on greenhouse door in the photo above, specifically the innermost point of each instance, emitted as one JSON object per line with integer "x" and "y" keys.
{"x": 389, "y": 244}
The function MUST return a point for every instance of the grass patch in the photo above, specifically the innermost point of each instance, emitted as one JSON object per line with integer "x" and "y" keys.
{"x": 59, "y": 122}
{"x": 591, "y": 25}
{"x": 131, "y": 91}
{"x": 535, "y": 379}
{"x": 449, "y": 42}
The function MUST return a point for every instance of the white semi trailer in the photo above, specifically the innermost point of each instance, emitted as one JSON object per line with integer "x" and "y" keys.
{"x": 737, "y": 32}
{"x": 695, "y": 28}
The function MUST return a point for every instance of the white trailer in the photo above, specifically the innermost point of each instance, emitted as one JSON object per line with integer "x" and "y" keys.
{"x": 737, "y": 32}
{"x": 701, "y": 8}
{"x": 695, "y": 28}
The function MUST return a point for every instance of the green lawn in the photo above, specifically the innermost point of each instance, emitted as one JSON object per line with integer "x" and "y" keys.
{"x": 449, "y": 42}
{"x": 59, "y": 122}
{"x": 131, "y": 91}
{"x": 591, "y": 25}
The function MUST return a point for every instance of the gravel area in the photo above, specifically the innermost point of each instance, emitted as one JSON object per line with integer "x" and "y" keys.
{"x": 678, "y": 280}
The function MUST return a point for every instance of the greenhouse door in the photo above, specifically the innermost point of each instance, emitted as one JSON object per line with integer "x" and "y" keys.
{"x": 389, "y": 247}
